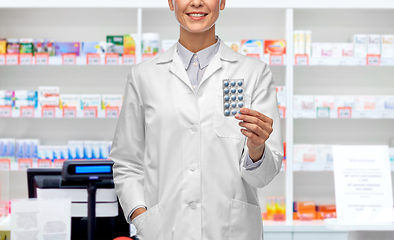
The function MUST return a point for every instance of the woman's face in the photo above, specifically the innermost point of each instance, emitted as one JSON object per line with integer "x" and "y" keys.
{"x": 196, "y": 16}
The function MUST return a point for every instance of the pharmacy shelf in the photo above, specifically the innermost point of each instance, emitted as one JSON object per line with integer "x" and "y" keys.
{"x": 297, "y": 226}
{"x": 59, "y": 113}
{"x": 368, "y": 114}
{"x": 313, "y": 166}
{"x": 349, "y": 4}
{"x": 346, "y": 62}
{"x": 333, "y": 224}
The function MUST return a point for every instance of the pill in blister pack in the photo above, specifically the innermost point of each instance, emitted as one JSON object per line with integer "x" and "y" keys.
{"x": 233, "y": 99}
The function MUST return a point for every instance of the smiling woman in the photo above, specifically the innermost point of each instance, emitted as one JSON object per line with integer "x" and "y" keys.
{"x": 180, "y": 152}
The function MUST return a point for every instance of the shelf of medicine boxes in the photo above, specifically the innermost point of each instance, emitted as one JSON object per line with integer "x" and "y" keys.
{"x": 110, "y": 60}
{"x": 52, "y": 112}
{"x": 343, "y": 113}
{"x": 347, "y": 61}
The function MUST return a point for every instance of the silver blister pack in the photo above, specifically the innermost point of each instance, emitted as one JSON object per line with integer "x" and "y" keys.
{"x": 233, "y": 96}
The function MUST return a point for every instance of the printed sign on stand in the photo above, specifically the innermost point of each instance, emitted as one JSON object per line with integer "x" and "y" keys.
{"x": 276, "y": 59}
{"x": 5, "y": 164}
{"x": 44, "y": 163}
{"x": 25, "y": 59}
{"x": 111, "y": 59}
{"x": 90, "y": 112}
{"x": 363, "y": 190}
{"x": 27, "y": 112}
{"x": 42, "y": 58}
{"x": 69, "y": 112}
{"x": 129, "y": 59}
{"x": 93, "y": 59}
{"x": 25, "y": 163}
{"x": 344, "y": 112}
{"x": 5, "y": 111}
{"x": 373, "y": 60}
{"x": 69, "y": 59}
{"x": 2, "y": 59}
{"x": 48, "y": 112}
{"x": 301, "y": 59}
{"x": 112, "y": 112}
{"x": 12, "y": 59}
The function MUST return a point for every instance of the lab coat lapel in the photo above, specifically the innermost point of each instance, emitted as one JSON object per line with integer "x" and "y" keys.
{"x": 177, "y": 68}
{"x": 213, "y": 66}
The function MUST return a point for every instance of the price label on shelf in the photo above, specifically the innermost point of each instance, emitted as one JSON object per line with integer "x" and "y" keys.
{"x": 301, "y": 59}
{"x": 305, "y": 167}
{"x": 5, "y": 111}
{"x": 276, "y": 59}
{"x": 27, "y": 112}
{"x": 69, "y": 59}
{"x": 48, "y": 112}
{"x": 69, "y": 112}
{"x": 282, "y": 112}
{"x": 328, "y": 167}
{"x": 93, "y": 59}
{"x": 90, "y": 112}
{"x": 322, "y": 112}
{"x": 25, "y": 59}
{"x": 42, "y": 58}
{"x": 5, "y": 164}
{"x": 112, "y": 112}
{"x": 2, "y": 59}
{"x": 373, "y": 60}
{"x": 12, "y": 59}
{"x": 25, "y": 163}
{"x": 344, "y": 112}
{"x": 44, "y": 163}
{"x": 111, "y": 59}
{"x": 129, "y": 59}
{"x": 58, "y": 163}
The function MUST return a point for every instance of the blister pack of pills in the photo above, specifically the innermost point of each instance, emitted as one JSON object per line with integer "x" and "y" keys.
{"x": 233, "y": 96}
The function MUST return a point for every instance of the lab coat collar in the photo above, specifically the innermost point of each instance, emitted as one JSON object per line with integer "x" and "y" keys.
{"x": 225, "y": 53}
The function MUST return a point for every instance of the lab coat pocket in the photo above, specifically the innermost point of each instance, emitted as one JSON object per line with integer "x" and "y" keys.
{"x": 245, "y": 221}
{"x": 227, "y": 127}
{"x": 149, "y": 225}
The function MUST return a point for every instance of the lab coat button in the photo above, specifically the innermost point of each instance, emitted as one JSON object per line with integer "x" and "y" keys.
{"x": 200, "y": 93}
{"x": 193, "y": 167}
{"x": 195, "y": 64}
{"x": 193, "y": 205}
{"x": 194, "y": 128}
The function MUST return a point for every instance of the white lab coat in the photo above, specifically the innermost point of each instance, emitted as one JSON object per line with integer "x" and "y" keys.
{"x": 176, "y": 153}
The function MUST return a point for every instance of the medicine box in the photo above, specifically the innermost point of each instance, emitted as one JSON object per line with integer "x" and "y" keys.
{"x": 365, "y": 103}
{"x": 67, "y": 48}
{"x": 274, "y": 47}
{"x": 304, "y": 153}
{"x": 360, "y": 45}
{"x": 387, "y": 46}
{"x": 304, "y": 102}
{"x": 111, "y": 100}
{"x": 115, "y": 44}
{"x": 236, "y": 46}
{"x": 252, "y": 48}
{"x": 69, "y": 100}
{"x": 373, "y": 44}
{"x": 325, "y": 101}
{"x": 281, "y": 96}
{"x": 322, "y": 50}
{"x": 91, "y": 100}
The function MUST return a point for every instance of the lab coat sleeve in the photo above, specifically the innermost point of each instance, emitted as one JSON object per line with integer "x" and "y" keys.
{"x": 128, "y": 147}
{"x": 265, "y": 101}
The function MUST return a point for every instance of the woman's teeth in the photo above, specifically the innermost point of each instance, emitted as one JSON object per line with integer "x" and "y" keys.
{"x": 196, "y": 15}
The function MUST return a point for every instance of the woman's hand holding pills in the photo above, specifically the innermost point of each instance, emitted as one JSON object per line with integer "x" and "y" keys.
{"x": 258, "y": 130}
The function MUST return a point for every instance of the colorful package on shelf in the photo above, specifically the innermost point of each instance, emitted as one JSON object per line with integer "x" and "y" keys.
{"x": 252, "y": 48}
{"x": 111, "y": 100}
{"x": 60, "y": 152}
{"x": 3, "y": 46}
{"x": 385, "y": 103}
{"x": 150, "y": 43}
{"x": 167, "y": 44}
{"x": 325, "y": 101}
{"x": 93, "y": 47}
{"x": 96, "y": 150}
{"x": 304, "y": 153}
{"x": 360, "y": 45}
{"x": 13, "y": 45}
{"x": 274, "y": 47}
{"x": 236, "y": 46}
{"x": 27, "y": 148}
{"x": 324, "y": 154}
{"x": 306, "y": 211}
{"x": 50, "y": 47}
{"x": 129, "y": 43}
{"x": 276, "y": 209}
{"x": 7, "y": 149}
{"x": 75, "y": 150}
{"x": 365, "y": 103}
{"x": 48, "y": 91}
{"x": 25, "y": 98}
{"x": 6, "y": 94}
{"x": 373, "y": 44}
{"x": 104, "y": 149}
{"x": 322, "y": 50}
{"x": 91, "y": 100}
{"x": 26, "y": 45}
{"x": 387, "y": 46}
{"x": 115, "y": 44}
{"x": 304, "y": 102}
{"x": 346, "y": 101}
{"x": 45, "y": 152}
{"x": 48, "y": 97}
{"x": 281, "y": 96}
{"x": 69, "y": 100}
{"x": 67, "y": 47}
{"x": 342, "y": 50}
{"x": 326, "y": 211}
